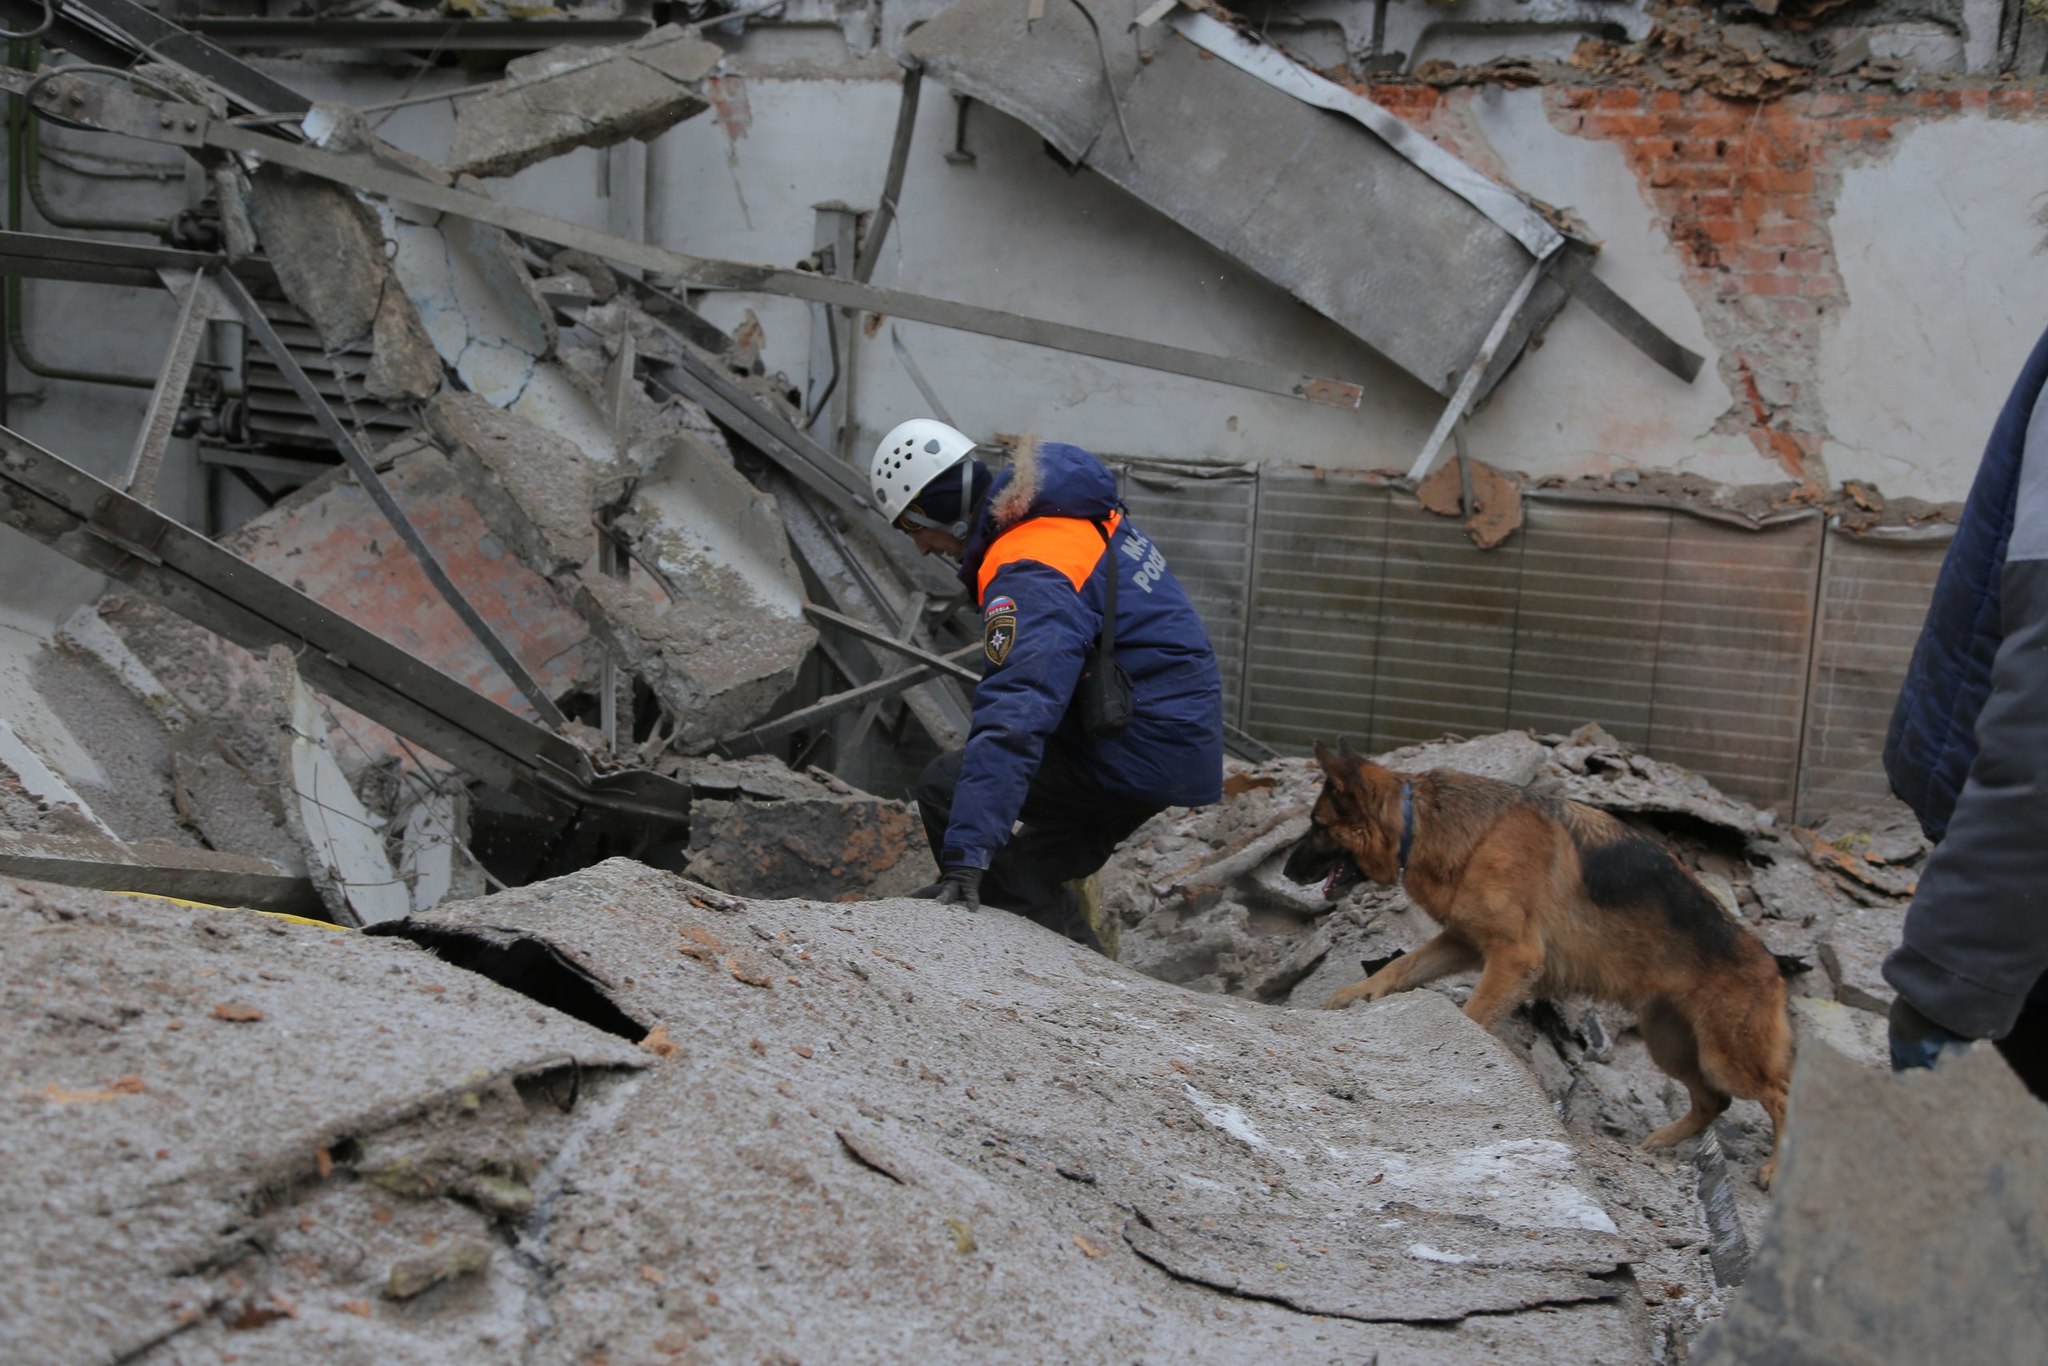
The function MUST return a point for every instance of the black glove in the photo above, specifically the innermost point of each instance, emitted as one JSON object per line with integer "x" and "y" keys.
{"x": 1917, "y": 1041}
{"x": 956, "y": 886}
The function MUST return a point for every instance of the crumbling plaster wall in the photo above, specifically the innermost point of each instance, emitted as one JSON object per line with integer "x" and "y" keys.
{"x": 1856, "y": 267}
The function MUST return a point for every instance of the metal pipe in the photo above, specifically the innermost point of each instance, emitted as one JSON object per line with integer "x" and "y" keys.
{"x": 55, "y": 217}
{"x": 17, "y": 321}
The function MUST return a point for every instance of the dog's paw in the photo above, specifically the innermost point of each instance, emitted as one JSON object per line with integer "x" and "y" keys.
{"x": 1345, "y": 996}
{"x": 1767, "y": 1173}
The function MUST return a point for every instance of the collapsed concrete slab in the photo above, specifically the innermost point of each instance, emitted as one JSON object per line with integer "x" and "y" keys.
{"x": 883, "y": 1126}
{"x": 320, "y": 538}
{"x": 758, "y": 829}
{"x": 225, "y": 1131}
{"x": 1910, "y": 1224}
{"x": 567, "y": 97}
{"x": 1204, "y": 902}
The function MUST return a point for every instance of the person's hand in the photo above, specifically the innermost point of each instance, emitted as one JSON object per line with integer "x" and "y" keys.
{"x": 1917, "y": 1041}
{"x": 955, "y": 887}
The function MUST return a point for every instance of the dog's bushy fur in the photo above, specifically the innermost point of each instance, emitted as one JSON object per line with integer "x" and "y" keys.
{"x": 1551, "y": 898}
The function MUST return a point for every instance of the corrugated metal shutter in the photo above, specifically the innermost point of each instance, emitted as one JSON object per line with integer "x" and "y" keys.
{"x": 1873, "y": 598}
{"x": 1732, "y": 653}
{"x": 1447, "y": 629}
{"x": 1372, "y": 618}
{"x": 1592, "y": 599}
{"x": 1204, "y": 524}
{"x": 1313, "y": 642}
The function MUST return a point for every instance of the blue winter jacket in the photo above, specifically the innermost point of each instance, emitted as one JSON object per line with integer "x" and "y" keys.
{"x": 1035, "y": 562}
{"x": 1968, "y": 745}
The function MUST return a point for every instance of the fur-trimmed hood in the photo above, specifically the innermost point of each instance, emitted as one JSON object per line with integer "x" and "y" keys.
{"x": 1042, "y": 479}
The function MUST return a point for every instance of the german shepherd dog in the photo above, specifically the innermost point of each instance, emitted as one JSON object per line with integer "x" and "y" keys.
{"x": 1551, "y": 898}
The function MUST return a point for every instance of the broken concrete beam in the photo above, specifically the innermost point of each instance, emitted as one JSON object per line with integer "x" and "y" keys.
{"x": 342, "y": 841}
{"x": 203, "y": 875}
{"x": 966, "y": 1088}
{"x": 187, "y": 1091}
{"x": 569, "y": 97}
{"x": 715, "y": 670}
{"x": 330, "y": 257}
{"x": 729, "y": 639}
{"x": 759, "y": 830}
{"x": 1908, "y": 1222}
{"x": 533, "y": 488}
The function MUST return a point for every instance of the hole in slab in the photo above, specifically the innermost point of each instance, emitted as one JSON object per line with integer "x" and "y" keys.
{"x": 532, "y": 967}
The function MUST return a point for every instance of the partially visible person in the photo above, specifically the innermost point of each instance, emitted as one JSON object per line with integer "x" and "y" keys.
{"x": 1037, "y": 545}
{"x": 1968, "y": 751}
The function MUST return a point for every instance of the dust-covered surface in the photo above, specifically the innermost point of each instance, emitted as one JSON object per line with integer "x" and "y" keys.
{"x": 1911, "y": 1223}
{"x": 891, "y": 1129}
{"x": 226, "y": 1133}
{"x": 1203, "y": 902}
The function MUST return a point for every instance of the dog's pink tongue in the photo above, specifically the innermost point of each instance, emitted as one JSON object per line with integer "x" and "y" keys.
{"x": 1330, "y": 883}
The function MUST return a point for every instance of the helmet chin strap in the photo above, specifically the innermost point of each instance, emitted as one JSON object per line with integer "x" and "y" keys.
{"x": 959, "y": 528}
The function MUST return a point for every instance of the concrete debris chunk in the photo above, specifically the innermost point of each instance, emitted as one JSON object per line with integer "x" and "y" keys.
{"x": 319, "y": 538}
{"x": 759, "y": 830}
{"x": 343, "y": 842}
{"x": 233, "y": 799}
{"x": 413, "y": 1276}
{"x": 1910, "y": 1222}
{"x": 479, "y": 305}
{"x": 568, "y": 97}
{"x": 713, "y": 668}
{"x": 533, "y": 488}
{"x": 329, "y": 253}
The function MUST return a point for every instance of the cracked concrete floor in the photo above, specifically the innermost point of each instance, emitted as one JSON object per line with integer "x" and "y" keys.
{"x": 875, "y": 1131}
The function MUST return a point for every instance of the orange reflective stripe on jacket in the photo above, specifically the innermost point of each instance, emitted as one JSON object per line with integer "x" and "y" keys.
{"x": 1071, "y": 545}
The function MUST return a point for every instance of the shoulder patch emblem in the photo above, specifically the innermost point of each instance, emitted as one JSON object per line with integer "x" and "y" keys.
{"x": 998, "y": 634}
{"x": 998, "y": 605}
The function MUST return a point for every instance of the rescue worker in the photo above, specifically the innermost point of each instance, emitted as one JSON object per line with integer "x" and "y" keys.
{"x": 1968, "y": 751}
{"x": 1036, "y": 545}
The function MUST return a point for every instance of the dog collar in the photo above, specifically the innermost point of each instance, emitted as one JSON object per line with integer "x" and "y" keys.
{"x": 1407, "y": 825}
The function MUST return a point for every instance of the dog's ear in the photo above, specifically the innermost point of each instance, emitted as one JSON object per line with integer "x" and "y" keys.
{"x": 1344, "y": 750}
{"x": 1336, "y": 762}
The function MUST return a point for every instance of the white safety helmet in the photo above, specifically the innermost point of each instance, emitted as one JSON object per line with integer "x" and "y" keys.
{"x": 912, "y": 455}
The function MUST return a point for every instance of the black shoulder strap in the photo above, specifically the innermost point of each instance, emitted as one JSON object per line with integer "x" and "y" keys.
{"x": 1106, "y": 642}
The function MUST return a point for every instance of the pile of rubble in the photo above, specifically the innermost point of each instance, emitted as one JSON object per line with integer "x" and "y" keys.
{"x": 1203, "y": 902}
{"x": 577, "y": 550}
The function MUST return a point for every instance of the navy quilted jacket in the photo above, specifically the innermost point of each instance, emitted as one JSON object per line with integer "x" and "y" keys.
{"x": 1968, "y": 745}
{"x": 1933, "y": 734}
